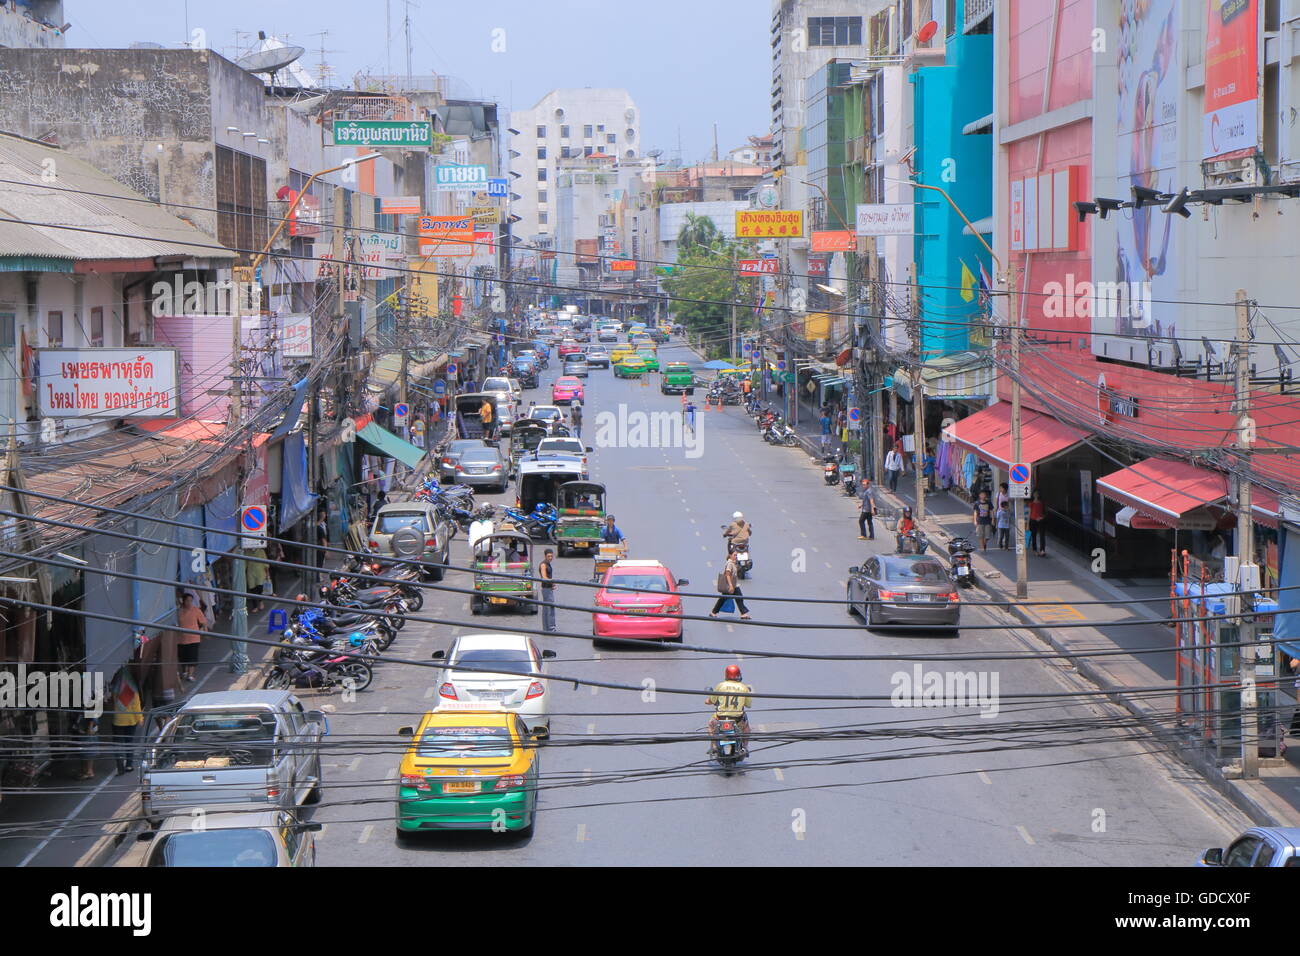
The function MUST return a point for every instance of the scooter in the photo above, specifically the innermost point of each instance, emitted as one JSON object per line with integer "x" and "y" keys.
{"x": 725, "y": 745}
{"x": 744, "y": 563}
{"x": 831, "y": 470}
{"x": 960, "y": 568}
{"x": 912, "y": 542}
{"x": 849, "y": 471}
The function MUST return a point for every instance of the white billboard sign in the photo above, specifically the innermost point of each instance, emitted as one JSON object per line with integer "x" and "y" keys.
{"x": 107, "y": 383}
{"x": 886, "y": 219}
{"x": 296, "y": 336}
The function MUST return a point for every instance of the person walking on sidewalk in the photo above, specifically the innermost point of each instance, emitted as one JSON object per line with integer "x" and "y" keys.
{"x": 928, "y": 467}
{"x": 127, "y": 718}
{"x": 1037, "y": 515}
{"x": 729, "y": 589}
{"x": 826, "y": 431}
{"x": 982, "y": 519}
{"x": 192, "y": 619}
{"x": 1004, "y": 526}
{"x": 866, "y": 527}
{"x": 546, "y": 570}
{"x": 893, "y": 468}
{"x": 1004, "y": 497}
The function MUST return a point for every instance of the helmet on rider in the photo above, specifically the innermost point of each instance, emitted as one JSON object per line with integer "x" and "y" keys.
{"x": 733, "y": 672}
{"x": 737, "y": 516}
{"x": 907, "y": 512}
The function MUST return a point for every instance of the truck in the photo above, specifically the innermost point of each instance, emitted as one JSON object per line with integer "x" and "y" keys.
{"x": 677, "y": 379}
{"x": 232, "y": 747}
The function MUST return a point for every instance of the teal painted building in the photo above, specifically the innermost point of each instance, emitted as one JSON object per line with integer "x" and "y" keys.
{"x": 946, "y": 99}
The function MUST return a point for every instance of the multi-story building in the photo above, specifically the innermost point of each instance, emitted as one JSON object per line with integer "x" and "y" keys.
{"x": 758, "y": 151}
{"x": 32, "y": 23}
{"x": 564, "y": 125}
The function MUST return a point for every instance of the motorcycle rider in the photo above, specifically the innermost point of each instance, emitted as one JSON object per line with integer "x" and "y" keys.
{"x": 737, "y": 533}
{"x": 905, "y": 527}
{"x": 731, "y": 700}
{"x": 611, "y": 534}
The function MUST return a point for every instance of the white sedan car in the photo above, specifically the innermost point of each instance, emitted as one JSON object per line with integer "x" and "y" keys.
{"x": 497, "y": 670}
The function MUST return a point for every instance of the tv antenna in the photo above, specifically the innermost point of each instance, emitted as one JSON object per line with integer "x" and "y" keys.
{"x": 269, "y": 61}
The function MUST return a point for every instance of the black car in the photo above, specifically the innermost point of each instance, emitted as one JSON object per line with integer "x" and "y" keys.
{"x": 903, "y": 589}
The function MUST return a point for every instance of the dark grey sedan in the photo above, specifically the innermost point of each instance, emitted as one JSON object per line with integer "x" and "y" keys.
{"x": 451, "y": 456}
{"x": 903, "y": 589}
{"x": 483, "y": 467}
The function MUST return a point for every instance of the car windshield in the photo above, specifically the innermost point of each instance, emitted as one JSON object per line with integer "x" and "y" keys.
{"x": 460, "y": 445}
{"x": 644, "y": 582}
{"x": 214, "y": 847}
{"x": 546, "y": 413}
{"x": 496, "y": 385}
{"x": 563, "y": 444}
{"x": 575, "y": 357}
{"x": 460, "y": 743}
{"x": 511, "y": 660}
{"x": 916, "y": 572}
{"x": 390, "y": 522}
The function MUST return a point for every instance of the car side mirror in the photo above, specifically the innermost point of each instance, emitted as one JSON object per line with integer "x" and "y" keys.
{"x": 855, "y": 570}
{"x": 589, "y": 448}
{"x": 1213, "y": 856}
{"x": 315, "y": 717}
{"x": 309, "y": 827}
{"x": 406, "y": 731}
{"x": 547, "y": 655}
{"x": 438, "y": 655}
{"x": 682, "y": 582}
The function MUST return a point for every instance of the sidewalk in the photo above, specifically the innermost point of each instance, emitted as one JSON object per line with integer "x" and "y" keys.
{"x": 1066, "y": 579}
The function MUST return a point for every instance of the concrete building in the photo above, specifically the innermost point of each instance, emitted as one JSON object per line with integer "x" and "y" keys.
{"x": 32, "y": 23}
{"x": 759, "y": 151}
{"x": 564, "y": 124}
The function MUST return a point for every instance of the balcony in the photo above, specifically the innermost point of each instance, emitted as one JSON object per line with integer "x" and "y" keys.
{"x": 977, "y": 11}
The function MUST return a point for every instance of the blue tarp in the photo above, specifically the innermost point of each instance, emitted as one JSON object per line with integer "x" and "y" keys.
{"x": 1214, "y": 603}
{"x": 1286, "y": 626}
{"x": 190, "y": 537}
{"x": 293, "y": 412}
{"x": 221, "y": 515}
{"x": 296, "y": 498}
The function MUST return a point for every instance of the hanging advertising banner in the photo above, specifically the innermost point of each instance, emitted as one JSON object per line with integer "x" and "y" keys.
{"x": 817, "y": 266}
{"x": 769, "y": 223}
{"x": 840, "y": 240}
{"x": 485, "y": 243}
{"x": 107, "y": 383}
{"x": 382, "y": 133}
{"x": 377, "y": 249}
{"x": 1232, "y": 77}
{"x": 885, "y": 219}
{"x": 446, "y": 235}
{"x": 759, "y": 267}
{"x": 296, "y": 337}
{"x": 484, "y": 215}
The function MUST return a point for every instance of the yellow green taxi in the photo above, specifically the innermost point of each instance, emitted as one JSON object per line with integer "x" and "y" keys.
{"x": 620, "y": 352}
{"x": 632, "y": 366}
{"x": 651, "y": 359}
{"x": 468, "y": 768}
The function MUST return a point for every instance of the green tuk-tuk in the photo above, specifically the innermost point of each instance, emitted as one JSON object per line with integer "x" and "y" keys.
{"x": 581, "y": 505}
{"x": 503, "y": 572}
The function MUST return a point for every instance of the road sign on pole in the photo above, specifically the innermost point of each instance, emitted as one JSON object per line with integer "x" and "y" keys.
{"x": 451, "y": 371}
{"x": 1018, "y": 480}
{"x": 400, "y": 411}
{"x": 252, "y": 522}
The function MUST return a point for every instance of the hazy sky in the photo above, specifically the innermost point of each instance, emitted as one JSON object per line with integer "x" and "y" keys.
{"x": 687, "y": 63}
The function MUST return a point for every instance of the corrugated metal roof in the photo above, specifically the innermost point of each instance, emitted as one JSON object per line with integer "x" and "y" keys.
{"x": 113, "y": 215}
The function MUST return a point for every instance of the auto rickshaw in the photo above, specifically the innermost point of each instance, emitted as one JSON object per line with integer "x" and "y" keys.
{"x": 504, "y": 572}
{"x": 524, "y": 439}
{"x": 582, "y": 516}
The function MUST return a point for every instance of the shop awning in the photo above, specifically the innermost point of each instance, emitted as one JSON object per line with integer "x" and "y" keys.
{"x": 987, "y": 433}
{"x": 1164, "y": 490}
{"x": 386, "y": 443}
{"x": 1264, "y": 507}
{"x": 961, "y": 375}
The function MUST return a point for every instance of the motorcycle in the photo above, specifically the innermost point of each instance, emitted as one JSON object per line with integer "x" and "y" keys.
{"x": 960, "y": 568}
{"x": 849, "y": 471}
{"x": 301, "y": 667}
{"x": 912, "y": 542}
{"x": 831, "y": 470}
{"x": 538, "y": 523}
{"x": 744, "y": 563}
{"x": 726, "y": 745}
{"x": 781, "y": 433}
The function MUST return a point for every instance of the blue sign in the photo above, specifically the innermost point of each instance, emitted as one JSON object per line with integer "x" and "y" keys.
{"x": 1020, "y": 473}
{"x": 780, "y": 366}
{"x": 855, "y": 414}
{"x": 400, "y": 411}
{"x": 254, "y": 518}
{"x": 440, "y": 387}
{"x": 498, "y": 187}
{"x": 451, "y": 369}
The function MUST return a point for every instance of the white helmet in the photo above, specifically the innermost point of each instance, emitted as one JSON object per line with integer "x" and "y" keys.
{"x": 737, "y": 516}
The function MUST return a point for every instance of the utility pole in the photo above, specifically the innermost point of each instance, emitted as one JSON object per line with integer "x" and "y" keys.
{"x": 1018, "y": 504}
{"x": 1246, "y": 580}
{"x": 877, "y": 436}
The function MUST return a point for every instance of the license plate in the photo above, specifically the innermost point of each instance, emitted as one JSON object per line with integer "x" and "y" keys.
{"x": 920, "y": 598}
{"x": 963, "y": 571}
{"x": 460, "y": 786}
{"x": 491, "y": 694}
{"x": 499, "y": 600}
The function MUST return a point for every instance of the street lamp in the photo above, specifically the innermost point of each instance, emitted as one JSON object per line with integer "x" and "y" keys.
{"x": 258, "y": 259}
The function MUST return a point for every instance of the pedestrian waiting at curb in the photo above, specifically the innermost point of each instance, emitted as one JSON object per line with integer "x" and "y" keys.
{"x": 546, "y": 571}
{"x": 1037, "y": 518}
{"x": 982, "y": 519}
{"x": 1004, "y": 525}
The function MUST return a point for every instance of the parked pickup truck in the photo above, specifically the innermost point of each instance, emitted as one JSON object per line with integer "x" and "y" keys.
{"x": 233, "y": 747}
{"x": 677, "y": 377}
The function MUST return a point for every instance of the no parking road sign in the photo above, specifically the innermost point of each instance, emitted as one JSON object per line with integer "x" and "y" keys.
{"x": 855, "y": 417}
{"x": 252, "y": 522}
{"x": 400, "y": 411}
{"x": 1018, "y": 480}
{"x": 451, "y": 371}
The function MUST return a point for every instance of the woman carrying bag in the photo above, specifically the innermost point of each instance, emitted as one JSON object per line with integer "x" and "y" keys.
{"x": 729, "y": 590}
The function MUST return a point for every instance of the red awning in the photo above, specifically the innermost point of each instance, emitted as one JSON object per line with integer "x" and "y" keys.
{"x": 1264, "y": 507}
{"x": 988, "y": 434}
{"x": 1165, "y": 490}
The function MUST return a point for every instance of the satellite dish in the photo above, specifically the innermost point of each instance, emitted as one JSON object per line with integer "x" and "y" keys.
{"x": 270, "y": 61}
{"x": 927, "y": 32}
{"x": 654, "y": 153}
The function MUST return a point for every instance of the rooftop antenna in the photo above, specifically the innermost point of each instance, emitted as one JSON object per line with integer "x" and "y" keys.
{"x": 270, "y": 61}
{"x": 715, "y": 142}
{"x": 388, "y": 34}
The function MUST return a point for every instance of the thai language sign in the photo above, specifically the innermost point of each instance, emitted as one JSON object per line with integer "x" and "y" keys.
{"x": 1232, "y": 77}
{"x": 759, "y": 267}
{"x": 446, "y": 235}
{"x": 768, "y": 223}
{"x": 296, "y": 336}
{"x": 461, "y": 178}
{"x": 382, "y": 133}
{"x": 107, "y": 383}
{"x": 885, "y": 219}
{"x": 834, "y": 241}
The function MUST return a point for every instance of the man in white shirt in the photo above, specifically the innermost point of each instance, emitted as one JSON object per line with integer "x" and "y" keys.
{"x": 893, "y": 468}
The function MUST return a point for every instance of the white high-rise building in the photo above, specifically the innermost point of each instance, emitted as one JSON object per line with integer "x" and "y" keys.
{"x": 564, "y": 125}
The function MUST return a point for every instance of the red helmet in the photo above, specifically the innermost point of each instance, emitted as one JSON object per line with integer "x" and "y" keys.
{"x": 733, "y": 672}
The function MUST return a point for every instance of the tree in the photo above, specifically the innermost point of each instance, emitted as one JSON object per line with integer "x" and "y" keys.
{"x": 698, "y": 233}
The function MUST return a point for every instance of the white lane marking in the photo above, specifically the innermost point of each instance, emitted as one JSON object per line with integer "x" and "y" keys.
{"x": 429, "y": 693}
{"x": 816, "y": 551}
{"x": 392, "y": 774}
{"x": 76, "y": 812}
{"x": 779, "y": 774}
{"x": 595, "y": 656}
{"x": 1025, "y": 835}
{"x": 709, "y": 563}
{"x": 582, "y": 833}
{"x": 368, "y": 829}
{"x": 828, "y": 564}
{"x": 731, "y": 627}
{"x": 594, "y": 689}
{"x": 355, "y": 765}
{"x": 985, "y": 777}
{"x": 591, "y": 728}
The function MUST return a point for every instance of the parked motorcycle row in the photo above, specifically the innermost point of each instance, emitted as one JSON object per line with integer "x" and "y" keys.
{"x": 771, "y": 427}
{"x": 726, "y": 391}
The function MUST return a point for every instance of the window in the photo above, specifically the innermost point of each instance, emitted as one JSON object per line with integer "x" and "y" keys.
{"x": 564, "y": 132}
{"x": 96, "y": 327}
{"x": 586, "y": 150}
{"x": 541, "y": 152}
{"x": 611, "y": 138}
{"x": 630, "y": 134}
{"x": 586, "y": 131}
{"x": 54, "y": 330}
{"x": 566, "y": 152}
{"x": 541, "y": 218}
{"x": 541, "y": 197}
{"x": 241, "y": 202}
{"x": 541, "y": 132}
{"x": 600, "y": 128}
{"x": 838, "y": 31}
{"x": 541, "y": 174}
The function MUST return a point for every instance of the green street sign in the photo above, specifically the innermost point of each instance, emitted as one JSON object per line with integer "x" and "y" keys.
{"x": 382, "y": 133}
{"x": 787, "y": 377}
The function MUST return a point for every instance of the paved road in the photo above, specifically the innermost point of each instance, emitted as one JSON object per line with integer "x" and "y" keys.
{"x": 1044, "y": 782}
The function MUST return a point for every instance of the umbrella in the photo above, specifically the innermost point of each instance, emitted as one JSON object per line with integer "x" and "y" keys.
{"x": 717, "y": 365}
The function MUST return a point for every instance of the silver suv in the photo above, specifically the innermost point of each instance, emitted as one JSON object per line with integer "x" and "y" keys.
{"x": 413, "y": 531}
{"x": 575, "y": 363}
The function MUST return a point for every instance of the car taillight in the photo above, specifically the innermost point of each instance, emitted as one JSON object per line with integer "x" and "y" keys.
{"x": 459, "y": 468}
{"x": 448, "y": 690}
{"x": 893, "y": 595}
{"x": 506, "y": 783}
{"x": 273, "y": 794}
{"x": 535, "y": 689}
{"x": 727, "y": 725}
{"x": 446, "y": 461}
{"x": 954, "y": 596}
{"x": 374, "y": 544}
{"x": 415, "y": 782}
{"x": 430, "y": 542}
